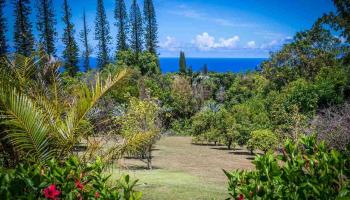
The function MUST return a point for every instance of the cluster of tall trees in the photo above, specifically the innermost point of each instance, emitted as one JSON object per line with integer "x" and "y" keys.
{"x": 137, "y": 31}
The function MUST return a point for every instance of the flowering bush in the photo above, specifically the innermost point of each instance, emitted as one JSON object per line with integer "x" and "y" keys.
{"x": 68, "y": 180}
{"x": 306, "y": 170}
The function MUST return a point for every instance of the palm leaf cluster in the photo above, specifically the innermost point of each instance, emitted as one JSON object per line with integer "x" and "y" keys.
{"x": 38, "y": 117}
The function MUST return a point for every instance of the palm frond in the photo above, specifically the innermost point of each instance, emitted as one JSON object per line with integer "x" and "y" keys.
{"x": 85, "y": 101}
{"x": 28, "y": 130}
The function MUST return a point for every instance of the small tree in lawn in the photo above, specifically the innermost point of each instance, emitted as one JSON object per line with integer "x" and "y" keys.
{"x": 263, "y": 140}
{"x": 140, "y": 128}
{"x": 227, "y": 127}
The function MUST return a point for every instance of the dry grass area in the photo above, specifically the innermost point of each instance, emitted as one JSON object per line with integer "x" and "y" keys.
{"x": 186, "y": 171}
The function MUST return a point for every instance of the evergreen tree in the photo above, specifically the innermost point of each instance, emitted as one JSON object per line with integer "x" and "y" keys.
{"x": 46, "y": 25}
{"x": 87, "y": 49}
{"x": 190, "y": 71}
{"x": 102, "y": 34}
{"x": 205, "y": 69}
{"x": 182, "y": 63}
{"x": 3, "y": 29}
{"x": 23, "y": 36}
{"x": 70, "y": 53}
{"x": 136, "y": 39}
{"x": 121, "y": 17}
{"x": 151, "y": 29}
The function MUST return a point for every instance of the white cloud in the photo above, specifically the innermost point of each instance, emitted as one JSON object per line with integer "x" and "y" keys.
{"x": 228, "y": 43}
{"x": 207, "y": 42}
{"x": 170, "y": 44}
{"x": 251, "y": 44}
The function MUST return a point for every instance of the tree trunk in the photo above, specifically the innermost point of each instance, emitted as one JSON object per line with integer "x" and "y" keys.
{"x": 229, "y": 144}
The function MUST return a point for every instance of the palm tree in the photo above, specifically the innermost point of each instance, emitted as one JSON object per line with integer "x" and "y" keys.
{"x": 37, "y": 115}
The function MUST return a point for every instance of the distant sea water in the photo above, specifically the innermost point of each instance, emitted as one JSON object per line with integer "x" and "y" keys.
{"x": 235, "y": 65}
{"x": 214, "y": 64}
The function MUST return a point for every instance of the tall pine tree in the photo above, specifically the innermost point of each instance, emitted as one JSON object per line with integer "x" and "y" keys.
{"x": 87, "y": 49}
{"x": 182, "y": 63}
{"x": 23, "y": 36}
{"x": 3, "y": 29}
{"x": 121, "y": 17}
{"x": 102, "y": 34}
{"x": 70, "y": 53}
{"x": 46, "y": 25}
{"x": 150, "y": 26}
{"x": 136, "y": 38}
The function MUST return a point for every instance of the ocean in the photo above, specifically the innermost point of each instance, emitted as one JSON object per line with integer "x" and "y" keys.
{"x": 235, "y": 65}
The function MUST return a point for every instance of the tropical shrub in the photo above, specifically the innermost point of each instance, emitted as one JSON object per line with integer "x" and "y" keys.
{"x": 145, "y": 62}
{"x": 305, "y": 170}
{"x": 331, "y": 83}
{"x": 247, "y": 86}
{"x": 215, "y": 124}
{"x": 263, "y": 140}
{"x": 140, "y": 128}
{"x": 302, "y": 94}
{"x": 40, "y": 120}
{"x": 249, "y": 116}
{"x": 68, "y": 180}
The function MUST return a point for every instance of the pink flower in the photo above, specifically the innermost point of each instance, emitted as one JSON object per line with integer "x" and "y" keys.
{"x": 97, "y": 195}
{"x": 79, "y": 185}
{"x": 51, "y": 192}
{"x": 241, "y": 197}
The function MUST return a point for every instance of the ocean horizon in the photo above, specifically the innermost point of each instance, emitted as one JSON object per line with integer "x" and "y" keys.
{"x": 235, "y": 65}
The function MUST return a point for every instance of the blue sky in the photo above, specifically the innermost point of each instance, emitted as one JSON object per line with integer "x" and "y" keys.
{"x": 208, "y": 28}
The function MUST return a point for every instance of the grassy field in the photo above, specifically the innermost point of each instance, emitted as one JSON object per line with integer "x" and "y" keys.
{"x": 183, "y": 171}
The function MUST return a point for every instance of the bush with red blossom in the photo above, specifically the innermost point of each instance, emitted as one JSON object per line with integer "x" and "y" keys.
{"x": 71, "y": 179}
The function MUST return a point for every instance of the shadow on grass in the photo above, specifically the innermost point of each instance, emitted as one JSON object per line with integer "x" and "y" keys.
{"x": 244, "y": 153}
{"x": 155, "y": 149}
{"x": 212, "y": 145}
{"x": 141, "y": 167}
{"x": 225, "y": 148}
{"x": 250, "y": 158}
{"x": 247, "y": 153}
{"x": 135, "y": 158}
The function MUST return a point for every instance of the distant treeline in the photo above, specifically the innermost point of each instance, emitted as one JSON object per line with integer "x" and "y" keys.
{"x": 136, "y": 31}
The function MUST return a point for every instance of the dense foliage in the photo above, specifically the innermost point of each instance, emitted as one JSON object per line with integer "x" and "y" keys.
{"x": 68, "y": 180}
{"x": 304, "y": 170}
{"x": 121, "y": 109}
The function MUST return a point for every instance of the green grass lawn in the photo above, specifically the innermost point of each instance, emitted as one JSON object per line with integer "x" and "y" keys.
{"x": 183, "y": 171}
{"x": 163, "y": 184}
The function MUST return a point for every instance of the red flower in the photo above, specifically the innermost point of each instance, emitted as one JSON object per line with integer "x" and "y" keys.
{"x": 79, "y": 185}
{"x": 97, "y": 195}
{"x": 51, "y": 192}
{"x": 241, "y": 197}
